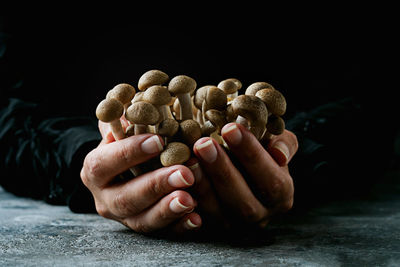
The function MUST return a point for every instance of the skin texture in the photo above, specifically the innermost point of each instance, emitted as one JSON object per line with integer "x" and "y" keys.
{"x": 214, "y": 187}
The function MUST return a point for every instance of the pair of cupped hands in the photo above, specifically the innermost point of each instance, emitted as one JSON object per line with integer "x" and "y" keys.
{"x": 246, "y": 187}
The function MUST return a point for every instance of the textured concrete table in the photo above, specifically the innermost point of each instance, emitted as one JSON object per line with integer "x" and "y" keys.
{"x": 363, "y": 232}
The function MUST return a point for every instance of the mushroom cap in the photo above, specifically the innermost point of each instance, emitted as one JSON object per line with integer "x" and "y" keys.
{"x": 200, "y": 95}
{"x": 138, "y": 97}
{"x": 208, "y": 128}
{"x": 181, "y": 84}
{"x": 142, "y": 113}
{"x": 190, "y": 131}
{"x": 257, "y": 86}
{"x": 175, "y": 153}
{"x": 215, "y": 98}
{"x": 109, "y": 110}
{"x": 168, "y": 127}
{"x": 230, "y": 114}
{"x": 123, "y": 92}
{"x": 157, "y": 95}
{"x": 152, "y": 77}
{"x": 230, "y": 86}
{"x": 251, "y": 108}
{"x": 275, "y": 125}
{"x": 216, "y": 117}
{"x": 274, "y": 100}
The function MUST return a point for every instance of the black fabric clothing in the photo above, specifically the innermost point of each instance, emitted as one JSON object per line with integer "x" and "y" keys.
{"x": 55, "y": 69}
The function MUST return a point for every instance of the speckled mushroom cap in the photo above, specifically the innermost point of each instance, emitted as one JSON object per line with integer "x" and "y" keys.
{"x": 168, "y": 127}
{"x": 123, "y": 92}
{"x": 274, "y": 100}
{"x": 200, "y": 95}
{"x": 275, "y": 125}
{"x": 251, "y": 108}
{"x": 152, "y": 77}
{"x": 175, "y": 153}
{"x": 181, "y": 84}
{"x": 215, "y": 99}
{"x": 257, "y": 86}
{"x": 142, "y": 113}
{"x": 157, "y": 95}
{"x": 190, "y": 131}
{"x": 109, "y": 110}
{"x": 230, "y": 86}
{"x": 216, "y": 117}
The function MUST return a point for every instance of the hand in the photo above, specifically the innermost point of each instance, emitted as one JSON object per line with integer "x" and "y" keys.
{"x": 251, "y": 190}
{"x": 147, "y": 203}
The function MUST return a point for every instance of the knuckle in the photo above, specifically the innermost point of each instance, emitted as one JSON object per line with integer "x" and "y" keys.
{"x": 102, "y": 210}
{"x": 92, "y": 164}
{"x": 155, "y": 185}
{"x": 140, "y": 227}
{"x": 286, "y": 205}
{"x": 250, "y": 213}
{"x": 122, "y": 204}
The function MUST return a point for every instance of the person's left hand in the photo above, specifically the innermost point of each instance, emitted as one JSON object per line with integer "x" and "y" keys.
{"x": 251, "y": 189}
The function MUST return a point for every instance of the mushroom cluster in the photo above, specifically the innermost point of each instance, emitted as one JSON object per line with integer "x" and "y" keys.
{"x": 182, "y": 113}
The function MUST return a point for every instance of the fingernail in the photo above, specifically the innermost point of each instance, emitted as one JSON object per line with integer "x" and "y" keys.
{"x": 176, "y": 206}
{"x": 152, "y": 145}
{"x": 195, "y": 168}
{"x": 207, "y": 151}
{"x": 176, "y": 179}
{"x": 232, "y": 134}
{"x": 190, "y": 225}
{"x": 282, "y": 147}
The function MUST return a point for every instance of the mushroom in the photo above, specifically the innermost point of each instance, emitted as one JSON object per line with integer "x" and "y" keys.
{"x": 123, "y": 92}
{"x": 160, "y": 97}
{"x": 231, "y": 87}
{"x": 190, "y": 131}
{"x": 215, "y": 99}
{"x": 142, "y": 114}
{"x": 152, "y": 77}
{"x": 175, "y": 153}
{"x": 217, "y": 119}
{"x": 182, "y": 86}
{"x": 257, "y": 86}
{"x": 168, "y": 128}
{"x": 274, "y": 100}
{"x": 275, "y": 125}
{"x": 110, "y": 111}
{"x": 254, "y": 111}
{"x": 198, "y": 101}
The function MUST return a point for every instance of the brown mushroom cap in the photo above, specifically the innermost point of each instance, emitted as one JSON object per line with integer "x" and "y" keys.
{"x": 274, "y": 100}
{"x": 215, "y": 98}
{"x": 152, "y": 77}
{"x": 123, "y": 92}
{"x": 257, "y": 86}
{"x": 251, "y": 108}
{"x": 230, "y": 86}
{"x": 200, "y": 95}
{"x": 168, "y": 127}
{"x": 275, "y": 125}
{"x": 157, "y": 95}
{"x": 190, "y": 131}
{"x": 175, "y": 153}
{"x": 217, "y": 118}
{"x": 142, "y": 113}
{"x": 181, "y": 84}
{"x": 109, "y": 110}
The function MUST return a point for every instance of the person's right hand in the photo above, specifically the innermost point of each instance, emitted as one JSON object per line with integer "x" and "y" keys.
{"x": 147, "y": 203}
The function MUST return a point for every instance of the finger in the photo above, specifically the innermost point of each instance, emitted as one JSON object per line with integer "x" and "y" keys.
{"x": 283, "y": 147}
{"x": 230, "y": 185}
{"x": 138, "y": 194}
{"x": 102, "y": 164}
{"x": 273, "y": 182}
{"x": 105, "y": 129}
{"x": 163, "y": 213}
{"x": 188, "y": 222}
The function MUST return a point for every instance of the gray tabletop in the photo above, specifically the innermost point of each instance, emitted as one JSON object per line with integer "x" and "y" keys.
{"x": 360, "y": 232}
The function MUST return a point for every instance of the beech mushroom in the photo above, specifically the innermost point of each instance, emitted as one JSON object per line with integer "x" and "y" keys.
{"x": 190, "y": 131}
{"x": 181, "y": 86}
{"x": 142, "y": 114}
{"x": 254, "y": 111}
{"x": 110, "y": 111}
{"x": 231, "y": 87}
{"x": 123, "y": 92}
{"x": 160, "y": 97}
{"x": 257, "y": 86}
{"x": 175, "y": 153}
{"x": 152, "y": 77}
{"x": 274, "y": 100}
{"x": 275, "y": 125}
{"x": 168, "y": 128}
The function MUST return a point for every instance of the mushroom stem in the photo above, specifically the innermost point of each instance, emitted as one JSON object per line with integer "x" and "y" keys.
{"x": 140, "y": 129}
{"x": 116, "y": 129}
{"x": 186, "y": 106}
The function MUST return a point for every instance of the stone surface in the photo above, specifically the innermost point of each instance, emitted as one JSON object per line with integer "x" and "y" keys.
{"x": 362, "y": 232}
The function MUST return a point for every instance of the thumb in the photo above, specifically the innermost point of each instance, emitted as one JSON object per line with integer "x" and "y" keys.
{"x": 283, "y": 147}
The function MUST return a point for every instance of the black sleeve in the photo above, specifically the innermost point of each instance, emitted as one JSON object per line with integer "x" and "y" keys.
{"x": 42, "y": 157}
